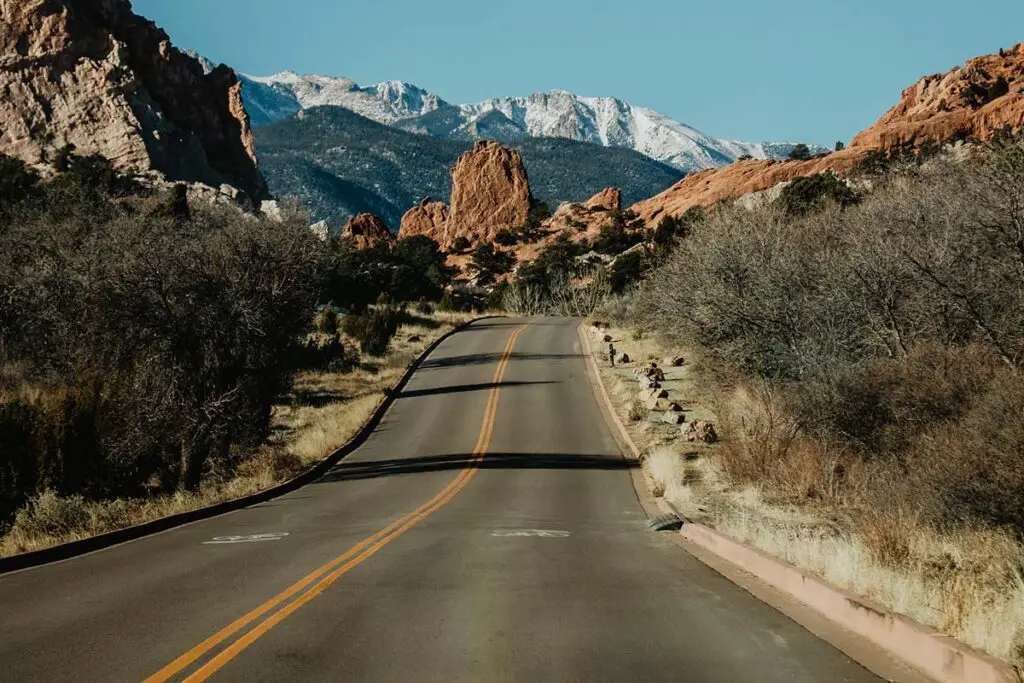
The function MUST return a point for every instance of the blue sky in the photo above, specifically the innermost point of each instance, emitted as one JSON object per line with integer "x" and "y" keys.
{"x": 814, "y": 70}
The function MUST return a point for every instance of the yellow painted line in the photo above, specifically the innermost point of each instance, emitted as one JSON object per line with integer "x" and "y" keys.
{"x": 350, "y": 559}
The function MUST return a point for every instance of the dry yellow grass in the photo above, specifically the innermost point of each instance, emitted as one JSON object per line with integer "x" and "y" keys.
{"x": 967, "y": 583}
{"x": 323, "y": 411}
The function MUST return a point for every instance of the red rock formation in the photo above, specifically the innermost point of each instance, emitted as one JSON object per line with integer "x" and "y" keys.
{"x": 490, "y": 192}
{"x": 974, "y": 102}
{"x": 587, "y": 219}
{"x": 609, "y": 200}
{"x": 92, "y": 74}
{"x": 429, "y": 218}
{"x": 367, "y": 230}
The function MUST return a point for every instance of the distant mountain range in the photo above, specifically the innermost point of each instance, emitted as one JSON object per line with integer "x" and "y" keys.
{"x": 344, "y": 149}
{"x": 604, "y": 121}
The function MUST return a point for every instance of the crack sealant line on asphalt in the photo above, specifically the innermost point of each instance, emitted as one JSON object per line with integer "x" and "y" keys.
{"x": 326, "y": 575}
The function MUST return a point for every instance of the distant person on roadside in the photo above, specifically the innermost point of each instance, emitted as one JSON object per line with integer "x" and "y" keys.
{"x": 654, "y": 373}
{"x": 611, "y": 353}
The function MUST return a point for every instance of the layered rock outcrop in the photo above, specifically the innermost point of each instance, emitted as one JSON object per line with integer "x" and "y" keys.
{"x": 366, "y": 231}
{"x": 490, "y": 192}
{"x": 94, "y": 75}
{"x": 977, "y": 101}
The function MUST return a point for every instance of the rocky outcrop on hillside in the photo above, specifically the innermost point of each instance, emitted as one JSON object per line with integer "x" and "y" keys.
{"x": 586, "y": 219}
{"x": 366, "y": 231}
{"x": 490, "y": 192}
{"x": 976, "y": 102}
{"x": 429, "y": 218}
{"x": 609, "y": 199}
{"x": 96, "y": 76}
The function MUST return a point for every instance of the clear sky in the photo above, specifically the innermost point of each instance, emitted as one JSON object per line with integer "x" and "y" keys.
{"x": 814, "y": 70}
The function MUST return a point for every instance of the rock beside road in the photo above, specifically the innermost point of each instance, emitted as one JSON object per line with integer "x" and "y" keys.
{"x": 699, "y": 431}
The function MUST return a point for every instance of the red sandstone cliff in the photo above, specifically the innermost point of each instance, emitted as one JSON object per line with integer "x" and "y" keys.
{"x": 973, "y": 102}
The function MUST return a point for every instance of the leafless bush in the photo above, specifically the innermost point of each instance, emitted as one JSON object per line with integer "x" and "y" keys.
{"x": 158, "y": 341}
{"x": 891, "y": 330}
{"x": 573, "y": 294}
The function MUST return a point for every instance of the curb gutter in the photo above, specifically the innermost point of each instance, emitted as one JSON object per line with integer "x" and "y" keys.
{"x": 72, "y": 549}
{"x": 938, "y": 656}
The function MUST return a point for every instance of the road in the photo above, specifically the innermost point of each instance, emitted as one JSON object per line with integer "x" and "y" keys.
{"x": 480, "y": 534}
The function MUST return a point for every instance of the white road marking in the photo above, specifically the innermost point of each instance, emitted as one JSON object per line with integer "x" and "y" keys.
{"x": 251, "y": 538}
{"x": 535, "y": 533}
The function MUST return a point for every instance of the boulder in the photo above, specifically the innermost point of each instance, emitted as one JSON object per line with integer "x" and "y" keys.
{"x": 672, "y": 417}
{"x": 609, "y": 199}
{"x": 701, "y": 430}
{"x": 673, "y": 362}
{"x": 653, "y": 393}
{"x": 429, "y": 219}
{"x": 321, "y": 229}
{"x": 366, "y": 230}
{"x": 623, "y": 359}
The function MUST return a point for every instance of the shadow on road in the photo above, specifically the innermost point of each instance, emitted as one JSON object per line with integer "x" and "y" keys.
{"x": 435, "y": 463}
{"x": 485, "y": 358}
{"x": 461, "y": 388}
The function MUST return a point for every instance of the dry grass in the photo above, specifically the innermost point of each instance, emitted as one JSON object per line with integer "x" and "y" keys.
{"x": 323, "y": 411}
{"x": 806, "y": 506}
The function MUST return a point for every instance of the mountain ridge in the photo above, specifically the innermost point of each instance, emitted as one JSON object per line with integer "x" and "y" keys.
{"x": 605, "y": 121}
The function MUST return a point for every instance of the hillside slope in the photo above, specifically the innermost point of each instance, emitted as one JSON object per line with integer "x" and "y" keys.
{"x": 975, "y": 102}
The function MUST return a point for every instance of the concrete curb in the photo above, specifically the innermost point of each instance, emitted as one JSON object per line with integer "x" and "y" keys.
{"x": 72, "y": 549}
{"x": 938, "y": 656}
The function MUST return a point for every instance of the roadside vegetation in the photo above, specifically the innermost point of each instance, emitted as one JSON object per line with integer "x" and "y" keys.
{"x": 158, "y": 355}
{"x": 861, "y": 355}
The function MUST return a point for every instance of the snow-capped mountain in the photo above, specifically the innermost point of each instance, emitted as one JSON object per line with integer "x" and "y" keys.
{"x": 605, "y": 121}
{"x": 273, "y": 98}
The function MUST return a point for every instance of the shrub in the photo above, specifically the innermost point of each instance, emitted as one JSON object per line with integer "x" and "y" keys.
{"x": 626, "y": 271}
{"x": 806, "y": 194}
{"x": 327, "y": 320}
{"x": 17, "y": 181}
{"x": 637, "y": 411}
{"x": 800, "y": 152}
{"x": 460, "y": 244}
{"x": 49, "y": 514}
{"x": 373, "y": 329}
{"x": 424, "y": 307}
{"x": 505, "y": 238}
{"x": 490, "y": 262}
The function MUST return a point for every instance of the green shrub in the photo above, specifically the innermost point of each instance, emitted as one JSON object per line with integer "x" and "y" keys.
{"x": 460, "y": 244}
{"x": 807, "y": 194}
{"x": 490, "y": 262}
{"x": 373, "y": 329}
{"x": 505, "y": 238}
{"x": 627, "y": 271}
{"x": 800, "y": 152}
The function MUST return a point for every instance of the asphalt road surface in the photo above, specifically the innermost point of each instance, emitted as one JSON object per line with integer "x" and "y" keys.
{"x": 480, "y": 534}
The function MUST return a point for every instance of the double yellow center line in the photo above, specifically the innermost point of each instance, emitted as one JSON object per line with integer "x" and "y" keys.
{"x": 317, "y": 582}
